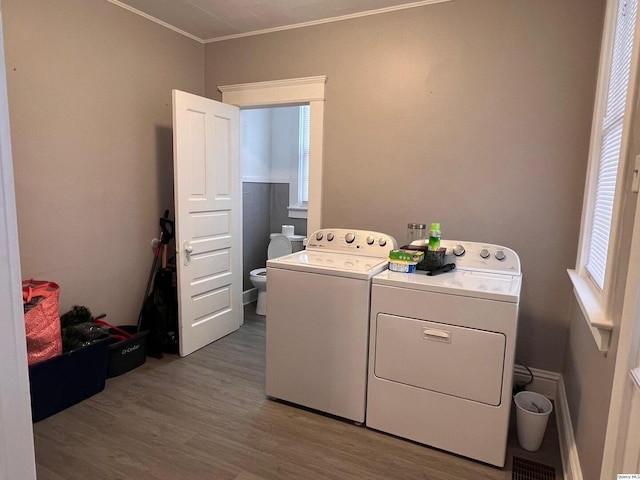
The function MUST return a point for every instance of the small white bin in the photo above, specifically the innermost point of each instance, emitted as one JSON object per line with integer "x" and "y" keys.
{"x": 532, "y": 415}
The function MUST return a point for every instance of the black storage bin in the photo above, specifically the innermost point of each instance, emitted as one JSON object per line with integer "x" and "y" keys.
{"x": 432, "y": 259}
{"x": 127, "y": 354}
{"x": 67, "y": 379}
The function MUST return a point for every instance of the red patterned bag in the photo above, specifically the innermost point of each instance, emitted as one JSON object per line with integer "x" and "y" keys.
{"x": 41, "y": 320}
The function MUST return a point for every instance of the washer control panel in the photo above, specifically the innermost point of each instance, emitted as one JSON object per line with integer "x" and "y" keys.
{"x": 482, "y": 256}
{"x": 479, "y": 256}
{"x": 359, "y": 242}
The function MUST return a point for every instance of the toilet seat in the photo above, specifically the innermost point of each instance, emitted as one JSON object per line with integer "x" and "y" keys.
{"x": 258, "y": 272}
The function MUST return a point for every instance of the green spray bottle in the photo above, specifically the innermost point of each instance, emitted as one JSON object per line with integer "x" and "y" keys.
{"x": 434, "y": 237}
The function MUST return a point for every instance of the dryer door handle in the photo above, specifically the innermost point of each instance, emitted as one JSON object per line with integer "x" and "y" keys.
{"x": 437, "y": 335}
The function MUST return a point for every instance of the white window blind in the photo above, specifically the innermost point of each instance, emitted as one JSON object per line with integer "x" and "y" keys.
{"x": 304, "y": 155}
{"x": 610, "y": 140}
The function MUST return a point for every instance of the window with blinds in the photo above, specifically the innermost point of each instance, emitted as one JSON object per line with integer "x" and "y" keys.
{"x": 610, "y": 140}
{"x": 303, "y": 189}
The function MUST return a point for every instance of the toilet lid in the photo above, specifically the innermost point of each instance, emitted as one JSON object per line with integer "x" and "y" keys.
{"x": 279, "y": 246}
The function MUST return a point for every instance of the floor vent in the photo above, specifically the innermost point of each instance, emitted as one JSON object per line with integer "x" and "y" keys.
{"x": 528, "y": 470}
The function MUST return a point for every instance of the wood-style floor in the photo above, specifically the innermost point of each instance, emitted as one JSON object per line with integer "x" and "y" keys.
{"x": 206, "y": 416}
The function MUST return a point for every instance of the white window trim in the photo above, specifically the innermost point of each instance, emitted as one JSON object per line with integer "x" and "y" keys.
{"x": 293, "y": 91}
{"x": 591, "y": 306}
{"x": 596, "y": 305}
{"x": 298, "y": 211}
{"x": 265, "y": 179}
{"x": 297, "y": 207}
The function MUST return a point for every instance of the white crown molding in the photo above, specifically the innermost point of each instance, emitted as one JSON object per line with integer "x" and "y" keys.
{"x": 155, "y": 20}
{"x": 284, "y": 27}
{"x": 326, "y": 20}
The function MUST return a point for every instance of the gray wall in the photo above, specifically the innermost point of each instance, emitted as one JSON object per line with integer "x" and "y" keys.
{"x": 264, "y": 212}
{"x": 89, "y": 87}
{"x": 588, "y": 377}
{"x": 279, "y": 214}
{"x": 473, "y": 114}
{"x": 256, "y": 227}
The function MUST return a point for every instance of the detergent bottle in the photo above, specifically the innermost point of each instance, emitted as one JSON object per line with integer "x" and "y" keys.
{"x": 434, "y": 237}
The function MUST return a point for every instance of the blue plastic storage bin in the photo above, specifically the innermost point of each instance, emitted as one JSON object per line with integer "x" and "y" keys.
{"x": 67, "y": 379}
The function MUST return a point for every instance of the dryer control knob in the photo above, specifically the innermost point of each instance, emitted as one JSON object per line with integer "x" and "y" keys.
{"x": 330, "y": 236}
{"x": 370, "y": 240}
{"x": 349, "y": 237}
{"x": 458, "y": 250}
{"x": 484, "y": 253}
{"x": 382, "y": 242}
{"x": 500, "y": 255}
{"x": 319, "y": 236}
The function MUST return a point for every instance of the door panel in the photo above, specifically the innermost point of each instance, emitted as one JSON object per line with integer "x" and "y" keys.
{"x": 211, "y": 224}
{"x": 211, "y": 304}
{"x": 208, "y": 219}
{"x": 207, "y": 265}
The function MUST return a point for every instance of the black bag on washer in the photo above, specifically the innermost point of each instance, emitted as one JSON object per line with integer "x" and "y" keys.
{"x": 160, "y": 314}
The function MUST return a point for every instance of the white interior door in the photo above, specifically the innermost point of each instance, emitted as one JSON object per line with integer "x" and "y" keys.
{"x": 207, "y": 182}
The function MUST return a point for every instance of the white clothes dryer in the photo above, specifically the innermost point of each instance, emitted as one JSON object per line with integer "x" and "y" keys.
{"x": 317, "y": 324}
{"x": 442, "y": 352}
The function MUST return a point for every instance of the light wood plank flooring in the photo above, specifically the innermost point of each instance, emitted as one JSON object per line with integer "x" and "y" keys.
{"x": 206, "y": 417}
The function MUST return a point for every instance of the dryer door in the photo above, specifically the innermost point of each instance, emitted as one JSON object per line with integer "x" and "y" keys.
{"x": 458, "y": 361}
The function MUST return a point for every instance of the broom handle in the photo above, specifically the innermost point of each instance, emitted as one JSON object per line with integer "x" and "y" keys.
{"x": 147, "y": 292}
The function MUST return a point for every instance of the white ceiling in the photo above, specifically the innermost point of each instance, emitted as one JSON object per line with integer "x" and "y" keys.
{"x": 211, "y": 20}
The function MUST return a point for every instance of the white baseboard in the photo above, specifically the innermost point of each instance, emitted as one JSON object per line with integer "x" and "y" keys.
{"x": 249, "y": 296}
{"x": 544, "y": 382}
{"x": 568, "y": 449}
{"x": 551, "y": 385}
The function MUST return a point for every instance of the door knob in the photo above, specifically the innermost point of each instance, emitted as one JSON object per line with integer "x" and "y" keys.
{"x": 188, "y": 249}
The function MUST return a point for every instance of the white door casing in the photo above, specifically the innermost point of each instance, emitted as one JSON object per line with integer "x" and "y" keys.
{"x": 623, "y": 434}
{"x": 294, "y": 91}
{"x": 208, "y": 209}
{"x": 623, "y": 423}
{"x": 17, "y": 457}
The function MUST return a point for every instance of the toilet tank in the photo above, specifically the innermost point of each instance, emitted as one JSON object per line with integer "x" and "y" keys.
{"x": 297, "y": 241}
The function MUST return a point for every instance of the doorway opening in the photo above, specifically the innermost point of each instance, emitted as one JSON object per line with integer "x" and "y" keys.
{"x": 275, "y": 174}
{"x": 291, "y": 93}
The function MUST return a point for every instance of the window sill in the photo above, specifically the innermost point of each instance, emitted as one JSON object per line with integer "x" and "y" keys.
{"x": 297, "y": 212}
{"x": 593, "y": 312}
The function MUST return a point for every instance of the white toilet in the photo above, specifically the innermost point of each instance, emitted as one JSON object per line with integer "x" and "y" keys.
{"x": 279, "y": 246}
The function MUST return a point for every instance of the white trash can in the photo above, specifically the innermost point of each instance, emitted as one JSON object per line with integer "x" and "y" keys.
{"x": 532, "y": 415}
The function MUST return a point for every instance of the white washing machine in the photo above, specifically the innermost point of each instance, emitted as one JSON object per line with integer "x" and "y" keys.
{"x": 442, "y": 351}
{"x": 318, "y": 320}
